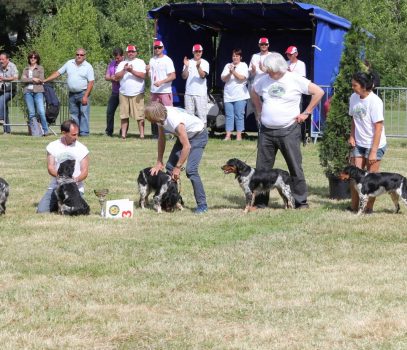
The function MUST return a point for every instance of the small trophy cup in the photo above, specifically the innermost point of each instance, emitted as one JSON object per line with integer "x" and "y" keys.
{"x": 101, "y": 194}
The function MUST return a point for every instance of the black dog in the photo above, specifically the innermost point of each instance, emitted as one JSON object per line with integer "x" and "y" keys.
{"x": 4, "y": 191}
{"x": 166, "y": 195}
{"x": 254, "y": 181}
{"x": 374, "y": 184}
{"x": 70, "y": 201}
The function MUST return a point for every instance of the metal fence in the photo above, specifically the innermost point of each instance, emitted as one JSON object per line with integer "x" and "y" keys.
{"x": 394, "y": 105}
{"x": 17, "y": 110}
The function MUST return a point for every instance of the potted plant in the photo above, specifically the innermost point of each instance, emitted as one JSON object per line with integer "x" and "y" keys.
{"x": 334, "y": 149}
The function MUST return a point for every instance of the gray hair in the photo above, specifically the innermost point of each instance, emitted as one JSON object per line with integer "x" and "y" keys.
{"x": 276, "y": 63}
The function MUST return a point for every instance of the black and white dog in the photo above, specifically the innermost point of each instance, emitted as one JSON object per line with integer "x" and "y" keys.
{"x": 4, "y": 191}
{"x": 374, "y": 184}
{"x": 166, "y": 195}
{"x": 70, "y": 201}
{"x": 254, "y": 181}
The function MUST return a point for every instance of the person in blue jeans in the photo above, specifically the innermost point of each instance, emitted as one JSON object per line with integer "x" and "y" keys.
{"x": 32, "y": 76}
{"x": 192, "y": 138}
{"x": 235, "y": 94}
{"x": 80, "y": 80}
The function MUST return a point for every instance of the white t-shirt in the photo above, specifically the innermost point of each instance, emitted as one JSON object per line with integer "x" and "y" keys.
{"x": 176, "y": 116}
{"x": 160, "y": 67}
{"x": 281, "y": 99}
{"x": 236, "y": 90}
{"x": 195, "y": 85}
{"x": 255, "y": 61}
{"x": 366, "y": 112}
{"x": 297, "y": 67}
{"x": 131, "y": 85}
{"x": 62, "y": 152}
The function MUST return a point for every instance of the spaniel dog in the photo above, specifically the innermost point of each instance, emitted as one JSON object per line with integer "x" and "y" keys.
{"x": 70, "y": 201}
{"x": 254, "y": 181}
{"x": 369, "y": 185}
{"x": 4, "y": 191}
{"x": 166, "y": 194}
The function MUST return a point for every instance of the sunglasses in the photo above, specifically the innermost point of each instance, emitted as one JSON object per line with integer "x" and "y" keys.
{"x": 264, "y": 44}
{"x": 80, "y": 54}
{"x": 198, "y": 51}
{"x": 33, "y": 57}
{"x": 157, "y": 47}
{"x": 131, "y": 51}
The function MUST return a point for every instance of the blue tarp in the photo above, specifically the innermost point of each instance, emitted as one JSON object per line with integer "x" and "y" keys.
{"x": 317, "y": 33}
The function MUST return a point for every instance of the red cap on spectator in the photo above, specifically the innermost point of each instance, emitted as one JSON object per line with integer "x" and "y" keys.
{"x": 263, "y": 41}
{"x": 158, "y": 43}
{"x": 197, "y": 47}
{"x": 131, "y": 48}
{"x": 291, "y": 50}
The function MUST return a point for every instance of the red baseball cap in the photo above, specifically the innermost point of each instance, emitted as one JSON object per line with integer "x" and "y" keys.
{"x": 158, "y": 43}
{"x": 291, "y": 50}
{"x": 197, "y": 47}
{"x": 131, "y": 48}
{"x": 263, "y": 41}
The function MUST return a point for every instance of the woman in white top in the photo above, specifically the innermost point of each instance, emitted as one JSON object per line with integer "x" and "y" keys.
{"x": 367, "y": 133}
{"x": 235, "y": 94}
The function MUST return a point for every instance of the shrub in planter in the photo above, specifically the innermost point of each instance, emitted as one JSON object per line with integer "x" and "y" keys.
{"x": 334, "y": 149}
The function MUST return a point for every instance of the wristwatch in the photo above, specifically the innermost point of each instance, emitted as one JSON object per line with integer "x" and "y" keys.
{"x": 306, "y": 113}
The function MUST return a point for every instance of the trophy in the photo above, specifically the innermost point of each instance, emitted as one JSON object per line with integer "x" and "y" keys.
{"x": 101, "y": 194}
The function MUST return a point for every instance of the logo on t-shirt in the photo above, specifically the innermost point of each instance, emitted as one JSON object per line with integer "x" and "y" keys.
{"x": 359, "y": 111}
{"x": 276, "y": 90}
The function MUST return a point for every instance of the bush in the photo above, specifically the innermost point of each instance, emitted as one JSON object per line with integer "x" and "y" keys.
{"x": 102, "y": 88}
{"x": 334, "y": 148}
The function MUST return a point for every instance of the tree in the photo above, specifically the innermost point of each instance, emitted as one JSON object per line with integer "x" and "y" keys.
{"x": 334, "y": 148}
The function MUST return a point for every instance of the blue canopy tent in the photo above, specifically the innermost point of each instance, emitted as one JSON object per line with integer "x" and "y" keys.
{"x": 317, "y": 33}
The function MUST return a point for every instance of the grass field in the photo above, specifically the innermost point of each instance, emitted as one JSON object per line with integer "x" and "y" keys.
{"x": 274, "y": 279}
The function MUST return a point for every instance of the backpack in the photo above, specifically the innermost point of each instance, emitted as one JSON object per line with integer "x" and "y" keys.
{"x": 51, "y": 104}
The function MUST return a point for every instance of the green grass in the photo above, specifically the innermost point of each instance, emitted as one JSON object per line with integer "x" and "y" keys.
{"x": 274, "y": 279}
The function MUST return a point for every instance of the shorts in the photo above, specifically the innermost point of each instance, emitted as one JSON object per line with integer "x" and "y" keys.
{"x": 132, "y": 106}
{"x": 364, "y": 152}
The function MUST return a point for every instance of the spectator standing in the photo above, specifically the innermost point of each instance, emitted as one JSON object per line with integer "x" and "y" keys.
{"x": 195, "y": 72}
{"x": 131, "y": 73}
{"x": 277, "y": 98}
{"x": 191, "y": 139}
{"x": 162, "y": 73}
{"x": 80, "y": 80}
{"x": 256, "y": 66}
{"x": 367, "y": 136}
{"x": 8, "y": 73}
{"x": 67, "y": 147}
{"x": 235, "y": 94}
{"x": 294, "y": 64}
{"x": 114, "y": 96}
{"x": 32, "y": 76}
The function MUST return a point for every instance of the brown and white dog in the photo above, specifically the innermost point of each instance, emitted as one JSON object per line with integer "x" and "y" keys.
{"x": 369, "y": 185}
{"x": 254, "y": 181}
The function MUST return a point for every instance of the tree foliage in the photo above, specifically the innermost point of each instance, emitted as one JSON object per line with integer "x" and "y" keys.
{"x": 334, "y": 148}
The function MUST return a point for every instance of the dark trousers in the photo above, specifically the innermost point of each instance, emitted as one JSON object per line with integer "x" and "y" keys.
{"x": 110, "y": 111}
{"x": 288, "y": 141}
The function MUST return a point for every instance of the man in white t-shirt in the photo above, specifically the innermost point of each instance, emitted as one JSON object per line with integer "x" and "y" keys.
{"x": 256, "y": 67}
{"x": 131, "y": 73}
{"x": 67, "y": 147}
{"x": 191, "y": 139}
{"x": 195, "y": 71}
{"x": 162, "y": 73}
{"x": 281, "y": 117}
{"x": 294, "y": 64}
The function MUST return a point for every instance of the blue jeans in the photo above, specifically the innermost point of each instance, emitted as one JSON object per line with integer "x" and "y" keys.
{"x": 198, "y": 144}
{"x": 235, "y": 113}
{"x": 78, "y": 112}
{"x": 35, "y": 101}
{"x": 111, "y": 110}
{"x": 4, "y": 99}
